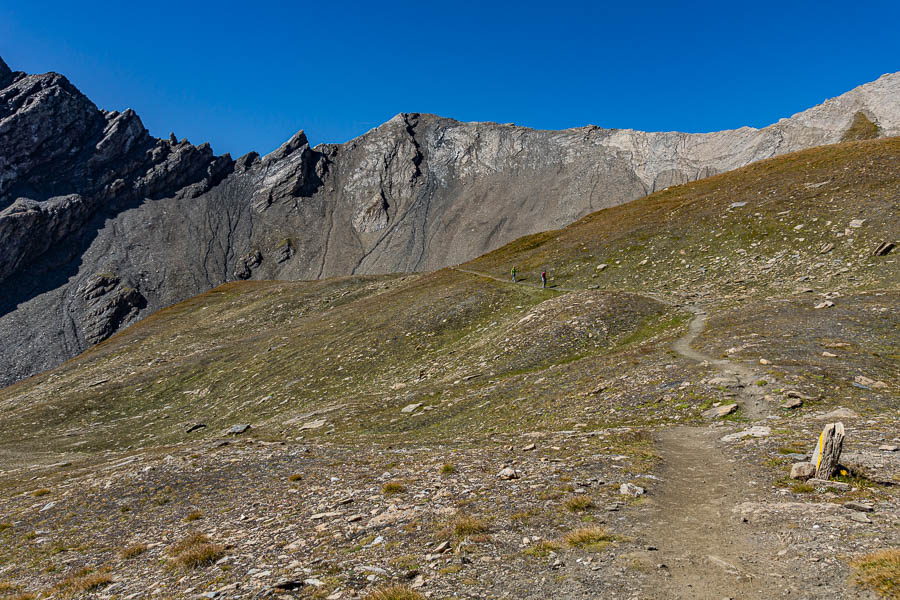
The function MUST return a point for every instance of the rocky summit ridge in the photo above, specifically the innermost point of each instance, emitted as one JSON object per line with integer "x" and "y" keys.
{"x": 101, "y": 224}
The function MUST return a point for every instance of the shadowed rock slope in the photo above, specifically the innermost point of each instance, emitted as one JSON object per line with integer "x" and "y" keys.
{"x": 102, "y": 224}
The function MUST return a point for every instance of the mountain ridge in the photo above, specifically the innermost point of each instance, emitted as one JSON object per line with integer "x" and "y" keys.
{"x": 102, "y": 224}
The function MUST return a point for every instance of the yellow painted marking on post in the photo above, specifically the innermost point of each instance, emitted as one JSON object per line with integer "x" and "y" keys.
{"x": 821, "y": 449}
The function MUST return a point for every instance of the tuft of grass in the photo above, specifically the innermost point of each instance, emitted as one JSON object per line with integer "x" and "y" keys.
{"x": 194, "y": 515}
{"x": 588, "y": 538}
{"x": 195, "y": 551}
{"x": 392, "y": 488}
{"x": 543, "y": 548}
{"x": 295, "y": 477}
{"x": 5, "y": 526}
{"x": 879, "y": 571}
{"x": 83, "y": 580}
{"x": 466, "y": 525}
{"x": 40, "y": 492}
{"x": 579, "y": 503}
{"x": 802, "y": 488}
{"x": 132, "y": 550}
{"x": 448, "y": 469}
{"x": 394, "y": 592}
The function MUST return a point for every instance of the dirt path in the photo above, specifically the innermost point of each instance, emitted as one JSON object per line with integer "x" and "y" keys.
{"x": 702, "y": 549}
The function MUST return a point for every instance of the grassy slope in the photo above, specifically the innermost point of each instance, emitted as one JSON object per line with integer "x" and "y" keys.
{"x": 354, "y": 351}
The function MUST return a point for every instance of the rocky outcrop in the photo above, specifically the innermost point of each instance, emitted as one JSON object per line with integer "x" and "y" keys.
{"x": 89, "y": 200}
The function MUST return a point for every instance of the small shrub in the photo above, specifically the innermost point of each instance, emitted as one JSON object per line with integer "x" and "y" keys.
{"x": 194, "y": 515}
{"x": 393, "y": 487}
{"x": 40, "y": 492}
{"x": 466, "y": 525}
{"x": 295, "y": 477}
{"x": 6, "y": 586}
{"x": 579, "y": 503}
{"x": 879, "y": 571}
{"x": 5, "y": 526}
{"x": 194, "y": 551}
{"x": 132, "y": 550}
{"x": 761, "y": 382}
{"x": 394, "y": 592}
{"x": 588, "y": 538}
{"x": 448, "y": 469}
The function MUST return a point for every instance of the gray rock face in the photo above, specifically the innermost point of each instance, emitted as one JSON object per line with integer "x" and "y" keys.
{"x": 102, "y": 224}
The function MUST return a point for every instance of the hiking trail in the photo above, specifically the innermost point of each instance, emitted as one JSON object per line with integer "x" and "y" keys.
{"x": 701, "y": 548}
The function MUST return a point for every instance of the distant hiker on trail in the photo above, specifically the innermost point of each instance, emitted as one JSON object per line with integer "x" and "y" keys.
{"x": 513, "y": 273}
{"x": 543, "y": 279}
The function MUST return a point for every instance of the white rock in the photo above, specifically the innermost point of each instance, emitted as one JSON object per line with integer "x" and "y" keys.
{"x": 629, "y": 489}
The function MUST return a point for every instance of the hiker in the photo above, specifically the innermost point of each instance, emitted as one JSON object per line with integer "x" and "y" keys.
{"x": 543, "y": 279}
{"x": 513, "y": 273}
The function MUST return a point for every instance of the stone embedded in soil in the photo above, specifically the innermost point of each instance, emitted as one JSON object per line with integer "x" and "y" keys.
{"x": 508, "y": 473}
{"x": 824, "y": 483}
{"x": 237, "y": 429}
{"x": 838, "y": 413}
{"x": 859, "y": 517}
{"x": 410, "y": 408}
{"x": 792, "y": 403}
{"x": 720, "y": 411}
{"x": 756, "y": 431}
{"x": 888, "y": 448}
{"x": 859, "y": 506}
{"x": 313, "y": 424}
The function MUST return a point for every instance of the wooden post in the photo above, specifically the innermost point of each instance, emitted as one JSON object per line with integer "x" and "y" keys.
{"x": 828, "y": 450}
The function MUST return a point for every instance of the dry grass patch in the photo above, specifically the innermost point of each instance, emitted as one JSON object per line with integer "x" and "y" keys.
{"x": 543, "y": 548}
{"x": 879, "y": 571}
{"x": 448, "y": 469}
{"x": 588, "y": 538}
{"x": 195, "y": 551}
{"x": 579, "y": 503}
{"x": 295, "y": 477}
{"x": 467, "y": 525}
{"x": 193, "y": 516}
{"x": 82, "y": 581}
{"x": 40, "y": 492}
{"x": 132, "y": 550}
{"x": 392, "y": 488}
{"x": 395, "y": 592}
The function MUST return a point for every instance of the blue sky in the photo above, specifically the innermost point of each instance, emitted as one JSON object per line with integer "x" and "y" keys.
{"x": 245, "y": 76}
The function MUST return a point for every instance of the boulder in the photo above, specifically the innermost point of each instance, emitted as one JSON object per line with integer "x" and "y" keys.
{"x": 803, "y": 470}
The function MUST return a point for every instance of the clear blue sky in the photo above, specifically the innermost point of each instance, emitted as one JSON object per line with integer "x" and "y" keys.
{"x": 246, "y": 75}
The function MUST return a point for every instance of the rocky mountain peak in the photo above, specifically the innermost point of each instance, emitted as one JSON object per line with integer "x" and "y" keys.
{"x": 5, "y": 72}
{"x": 86, "y": 192}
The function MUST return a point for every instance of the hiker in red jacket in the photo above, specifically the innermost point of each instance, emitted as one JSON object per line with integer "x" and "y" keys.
{"x": 543, "y": 279}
